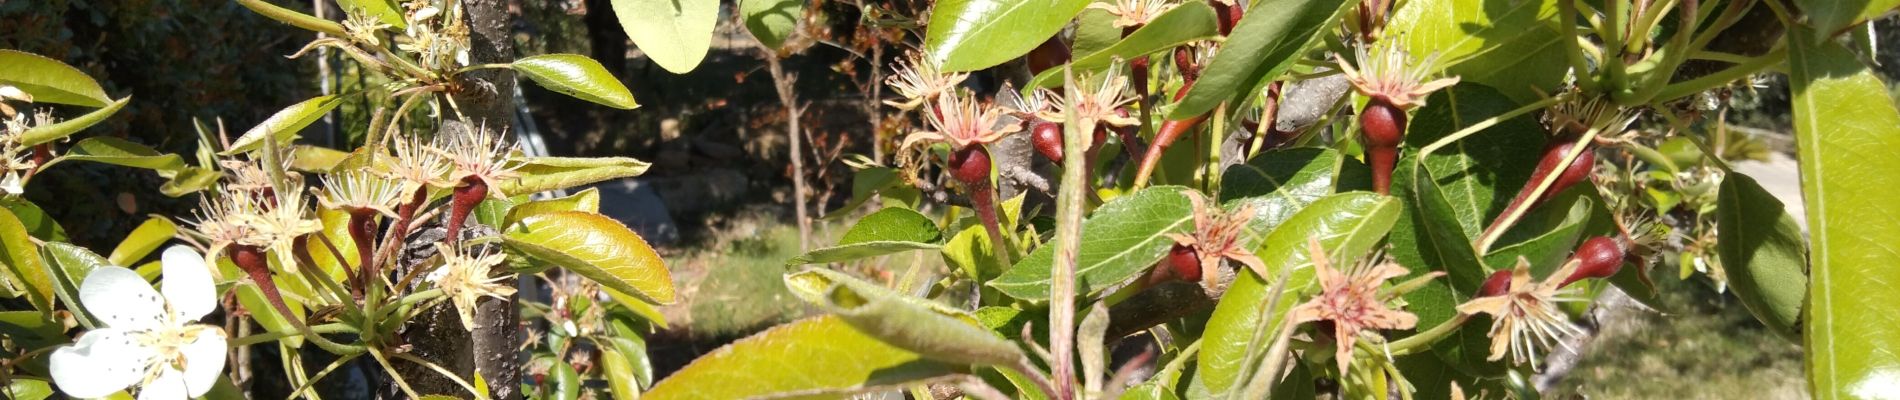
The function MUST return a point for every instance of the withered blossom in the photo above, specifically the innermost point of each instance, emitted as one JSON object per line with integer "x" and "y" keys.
{"x": 1526, "y": 318}
{"x": 1351, "y": 300}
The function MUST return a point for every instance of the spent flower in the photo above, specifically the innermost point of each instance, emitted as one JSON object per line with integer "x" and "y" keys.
{"x": 1387, "y": 73}
{"x": 1217, "y": 236}
{"x": 1352, "y": 301}
{"x": 465, "y": 278}
{"x": 918, "y": 80}
{"x": 962, "y": 122}
{"x": 1525, "y": 318}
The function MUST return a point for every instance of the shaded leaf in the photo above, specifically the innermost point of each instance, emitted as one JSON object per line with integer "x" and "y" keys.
{"x": 1830, "y": 17}
{"x": 771, "y": 21}
{"x": 619, "y": 373}
{"x": 890, "y": 230}
{"x": 813, "y": 357}
{"x": 189, "y": 180}
{"x": 1346, "y": 225}
{"x": 48, "y": 133}
{"x": 40, "y": 225}
{"x": 70, "y": 265}
{"x": 1763, "y": 253}
{"x": 1184, "y": 23}
{"x": 933, "y": 330}
{"x": 673, "y": 33}
{"x": 578, "y": 76}
{"x": 284, "y": 124}
{"x": 1120, "y": 241}
{"x": 1279, "y": 183}
{"x": 50, "y": 81}
{"x": 1261, "y": 47}
{"x": 967, "y": 35}
{"x": 596, "y": 247}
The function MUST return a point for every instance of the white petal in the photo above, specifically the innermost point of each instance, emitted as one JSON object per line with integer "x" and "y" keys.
{"x": 204, "y": 361}
{"x": 188, "y": 285}
{"x": 170, "y": 385}
{"x": 121, "y": 299}
{"x": 104, "y": 361}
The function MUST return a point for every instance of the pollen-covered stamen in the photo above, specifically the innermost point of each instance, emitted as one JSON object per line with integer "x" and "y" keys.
{"x": 918, "y": 80}
{"x": 1525, "y": 319}
{"x": 1386, "y": 72}
{"x": 962, "y": 122}
{"x": 464, "y": 279}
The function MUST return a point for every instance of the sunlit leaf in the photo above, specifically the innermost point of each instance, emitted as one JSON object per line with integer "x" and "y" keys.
{"x": 144, "y": 239}
{"x": 771, "y": 21}
{"x": 596, "y": 247}
{"x": 1184, "y": 23}
{"x": 48, "y": 133}
{"x": 1262, "y": 46}
{"x": 887, "y": 231}
{"x": 383, "y": 10}
{"x": 1830, "y": 17}
{"x": 284, "y": 124}
{"x": 71, "y": 265}
{"x": 1512, "y": 46}
{"x": 578, "y": 76}
{"x": 587, "y": 201}
{"x": 1120, "y": 241}
{"x": 820, "y": 356}
{"x": 931, "y": 329}
{"x": 673, "y": 33}
{"x": 967, "y": 35}
{"x": 22, "y": 258}
{"x": 50, "y": 81}
{"x": 116, "y": 151}
{"x": 539, "y": 174}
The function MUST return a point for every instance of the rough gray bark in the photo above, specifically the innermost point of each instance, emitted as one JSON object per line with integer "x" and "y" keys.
{"x": 491, "y": 101}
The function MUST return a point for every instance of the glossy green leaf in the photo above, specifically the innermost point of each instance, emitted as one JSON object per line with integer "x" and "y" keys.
{"x": 674, "y": 34}
{"x": 630, "y": 340}
{"x": 587, "y": 201}
{"x": 1279, "y": 183}
{"x": 383, "y": 10}
{"x": 1120, "y": 241}
{"x": 972, "y": 252}
{"x": 596, "y": 247}
{"x": 1830, "y": 17}
{"x": 309, "y": 158}
{"x": 1347, "y": 225}
{"x": 578, "y": 76}
{"x": 50, "y": 81}
{"x": 887, "y": 231}
{"x": 48, "y": 133}
{"x": 1512, "y": 46}
{"x": 335, "y": 233}
{"x": 1763, "y": 253}
{"x": 22, "y": 258}
{"x": 820, "y": 356}
{"x": 967, "y": 35}
{"x": 933, "y": 330}
{"x": 189, "y": 180}
{"x": 771, "y": 21}
{"x": 1431, "y": 238}
{"x": 116, "y": 151}
{"x": 70, "y": 265}
{"x": 293, "y": 18}
{"x": 1187, "y": 22}
{"x": 1261, "y": 47}
{"x": 40, "y": 225}
{"x": 1841, "y": 112}
{"x": 619, "y": 373}
{"x": 565, "y": 381}
{"x": 284, "y": 124}
{"x": 638, "y": 307}
{"x": 1549, "y": 234}
{"x": 144, "y": 239}
{"x": 539, "y": 174}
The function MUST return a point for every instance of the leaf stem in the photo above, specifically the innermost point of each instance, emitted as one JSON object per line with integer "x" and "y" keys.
{"x": 1425, "y": 340}
{"x": 1489, "y": 122}
{"x": 273, "y": 336}
{"x": 1068, "y": 242}
{"x": 1511, "y": 216}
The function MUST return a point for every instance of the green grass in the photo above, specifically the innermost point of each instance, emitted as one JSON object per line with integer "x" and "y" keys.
{"x": 742, "y": 289}
{"x": 1709, "y": 347}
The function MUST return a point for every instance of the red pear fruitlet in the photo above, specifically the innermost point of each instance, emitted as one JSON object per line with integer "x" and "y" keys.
{"x": 461, "y": 203}
{"x": 1047, "y": 138}
{"x": 1554, "y": 153}
{"x": 1384, "y": 127}
{"x": 1185, "y": 262}
{"x": 1497, "y": 284}
{"x": 1600, "y": 257}
{"x": 971, "y": 165}
{"x": 1050, "y": 54}
{"x": 1227, "y": 15}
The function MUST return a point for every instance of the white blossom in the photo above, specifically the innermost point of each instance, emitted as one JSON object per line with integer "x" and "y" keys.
{"x": 146, "y": 341}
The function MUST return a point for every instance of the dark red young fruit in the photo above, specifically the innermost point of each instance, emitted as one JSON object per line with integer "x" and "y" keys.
{"x": 1226, "y": 15}
{"x": 1554, "y": 153}
{"x": 1184, "y": 61}
{"x": 461, "y": 203}
{"x": 1498, "y": 284}
{"x": 1600, "y": 257}
{"x": 1047, "y": 138}
{"x": 362, "y": 228}
{"x": 1383, "y": 126}
{"x": 1049, "y": 54}
{"x": 971, "y": 165}
{"x": 1185, "y": 262}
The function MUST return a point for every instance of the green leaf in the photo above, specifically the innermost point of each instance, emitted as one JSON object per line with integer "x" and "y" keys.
{"x": 567, "y": 383}
{"x": 887, "y": 231}
{"x": 384, "y": 10}
{"x": 1279, "y": 183}
{"x": 189, "y": 180}
{"x": 48, "y": 133}
{"x": 619, "y": 373}
{"x": 22, "y": 258}
{"x": 1262, "y": 46}
{"x": 70, "y": 265}
{"x": 309, "y": 158}
{"x": 1830, "y": 17}
{"x": 50, "y": 81}
{"x": 1346, "y": 225}
{"x": 116, "y": 151}
{"x": 1430, "y": 238}
{"x": 37, "y": 223}
{"x": 641, "y": 308}
{"x": 673, "y": 33}
{"x": 812, "y": 357}
{"x": 28, "y": 389}
{"x": 578, "y": 76}
{"x": 1841, "y": 113}
{"x": 972, "y": 252}
{"x": 1094, "y": 30}
{"x": 771, "y": 21}
{"x": 1549, "y": 234}
{"x": 596, "y": 247}
{"x": 293, "y": 18}
{"x": 284, "y": 124}
{"x": 968, "y": 35}
{"x": 539, "y": 174}
{"x": 144, "y": 239}
{"x": 1120, "y": 241}
{"x": 1512, "y": 46}
{"x": 587, "y": 201}
{"x": 336, "y": 230}
{"x": 866, "y": 183}
{"x": 1184, "y": 23}
{"x": 1763, "y": 252}
{"x": 933, "y": 330}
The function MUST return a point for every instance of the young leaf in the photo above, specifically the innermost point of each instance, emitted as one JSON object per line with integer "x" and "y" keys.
{"x": 293, "y": 18}
{"x": 142, "y": 241}
{"x": 813, "y": 357}
{"x": 384, "y": 10}
{"x": 1184, "y": 23}
{"x": 933, "y": 330}
{"x": 967, "y": 35}
{"x": 887, "y": 231}
{"x": 1763, "y": 253}
{"x": 50, "y": 81}
{"x": 1124, "y": 238}
{"x": 539, "y": 174}
{"x": 587, "y": 201}
{"x": 22, "y": 258}
{"x": 596, "y": 247}
{"x": 578, "y": 76}
{"x": 48, "y": 133}
{"x": 619, "y": 373}
{"x": 1512, "y": 46}
{"x": 284, "y": 124}
{"x": 972, "y": 252}
{"x": 189, "y": 180}
{"x": 673, "y": 33}
{"x": 1346, "y": 225}
{"x": 771, "y": 21}
{"x": 308, "y": 158}
{"x": 70, "y": 265}
{"x": 1263, "y": 45}
{"x": 1841, "y": 110}
{"x": 116, "y": 151}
